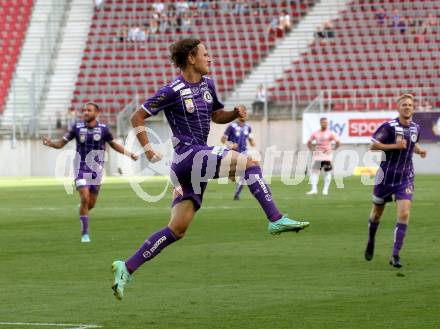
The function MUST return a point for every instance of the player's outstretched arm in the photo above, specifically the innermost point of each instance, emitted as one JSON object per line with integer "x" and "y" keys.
{"x": 420, "y": 150}
{"x": 224, "y": 140}
{"x": 138, "y": 123}
{"x": 56, "y": 145}
{"x": 377, "y": 146}
{"x": 121, "y": 149}
{"x": 222, "y": 116}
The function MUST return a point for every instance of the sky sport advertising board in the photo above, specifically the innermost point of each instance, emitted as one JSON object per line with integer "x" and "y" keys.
{"x": 350, "y": 127}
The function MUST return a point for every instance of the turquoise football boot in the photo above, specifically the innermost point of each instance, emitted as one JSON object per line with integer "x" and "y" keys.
{"x": 122, "y": 277}
{"x": 285, "y": 224}
{"x": 85, "y": 238}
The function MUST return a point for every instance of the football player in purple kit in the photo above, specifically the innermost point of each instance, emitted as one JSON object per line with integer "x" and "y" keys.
{"x": 235, "y": 137}
{"x": 90, "y": 136}
{"x": 398, "y": 138}
{"x": 190, "y": 103}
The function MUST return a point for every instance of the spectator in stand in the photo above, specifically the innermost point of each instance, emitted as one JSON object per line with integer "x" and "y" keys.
{"x": 260, "y": 100}
{"x": 71, "y": 116}
{"x": 133, "y": 33}
{"x": 98, "y": 4}
{"x": 329, "y": 30}
{"x": 425, "y": 106}
{"x": 285, "y": 25}
{"x": 203, "y": 5}
{"x": 401, "y": 26}
{"x": 411, "y": 24}
{"x": 122, "y": 33}
{"x": 181, "y": 7}
{"x": 164, "y": 23}
{"x": 153, "y": 26}
{"x": 241, "y": 7}
{"x": 428, "y": 24}
{"x": 395, "y": 18}
{"x": 158, "y": 7}
{"x": 380, "y": 16}
{"x": 273, "y": 25}
{"x": 185, "y": 23}
{"x": 326, "y": 32}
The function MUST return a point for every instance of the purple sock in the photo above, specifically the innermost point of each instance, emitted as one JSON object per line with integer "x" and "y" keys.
{"x": 84, "y": 224}
{"x": 260, "y": 190}
{"x": 372, "y": 228}
{"x": 399, "y": 235}
{"x": 238, "y": 188}
{"x": 150, "y": 248}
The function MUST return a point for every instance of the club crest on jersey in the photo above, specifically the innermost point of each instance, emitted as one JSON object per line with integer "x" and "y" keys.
{"x": 189, "y": 105}
{"x": 207, "y": 96}
{"x": 96, "y": 137}
{"x": 413, "y": 138}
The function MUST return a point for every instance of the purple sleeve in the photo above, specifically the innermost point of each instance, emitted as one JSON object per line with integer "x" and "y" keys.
{"x": 71, "y": 134}
{"x": 382, "y": 133}
{"x": 418, "y": 133}
{"x": 216, "y": 104}
{"x": 227, "y": 131}
{"x": 163, "y": 99}
{"x": 108, "y": 137}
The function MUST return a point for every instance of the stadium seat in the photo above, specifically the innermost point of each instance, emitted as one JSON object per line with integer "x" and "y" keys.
{"x": 237, "y": 40}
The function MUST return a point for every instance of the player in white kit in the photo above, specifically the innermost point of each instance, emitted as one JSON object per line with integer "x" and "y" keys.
{"x": 322, "y": 153}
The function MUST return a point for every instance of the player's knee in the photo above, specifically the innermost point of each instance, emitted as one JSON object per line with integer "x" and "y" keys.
{"x": 404, "y": 215}
{"x": 179, "y": 232}
{"x": 375, "y": 216}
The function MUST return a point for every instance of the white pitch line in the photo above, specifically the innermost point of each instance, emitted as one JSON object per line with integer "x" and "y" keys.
{"x": 63, "y": 325}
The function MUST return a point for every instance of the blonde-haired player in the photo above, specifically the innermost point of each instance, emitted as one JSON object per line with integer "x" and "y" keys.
{"x": 322, "y": 155}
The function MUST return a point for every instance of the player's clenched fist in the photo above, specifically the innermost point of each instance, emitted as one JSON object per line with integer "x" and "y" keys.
{"x": 240, "y": 110}
{"x": 401, "y": 144}
{"x": 46, "y": 141}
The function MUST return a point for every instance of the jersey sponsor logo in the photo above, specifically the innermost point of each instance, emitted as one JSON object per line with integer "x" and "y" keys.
{"x": 363, "y": 127}
{"x": 186, "y": 91}
{"x": 189, "y": 105}
{"x": 82, "y": 135}
{"x": 207, "y": 96}
{"x": 179, "y": 86}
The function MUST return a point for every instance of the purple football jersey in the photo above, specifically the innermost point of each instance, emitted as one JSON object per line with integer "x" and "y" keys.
{"x": 239, "y": 135}
{"x": 398, "y": 167}
{"x": 88, "y": 140}
{"x": 188, "y": 108}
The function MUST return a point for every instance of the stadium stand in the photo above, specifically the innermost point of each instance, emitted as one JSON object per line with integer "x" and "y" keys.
{"x": 115, "y": 70}
{"x": 369, "y": 59}
{"x": 14, "y": 19}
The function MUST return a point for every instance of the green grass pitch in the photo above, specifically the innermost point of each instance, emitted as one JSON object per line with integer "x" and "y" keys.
{"x": 228, "y": 272}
